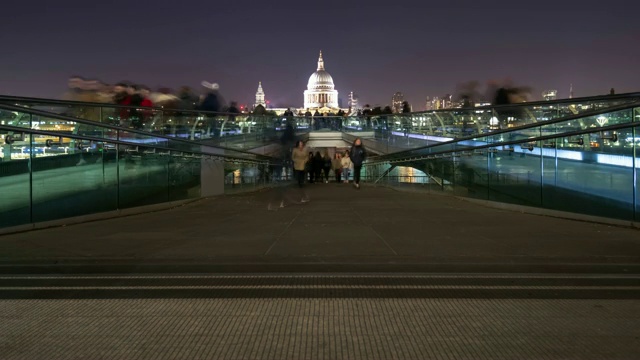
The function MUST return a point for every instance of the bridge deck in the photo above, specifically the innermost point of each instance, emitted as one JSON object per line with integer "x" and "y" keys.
{"x": 374, "y": 273}
{"x": 373, "y": 228}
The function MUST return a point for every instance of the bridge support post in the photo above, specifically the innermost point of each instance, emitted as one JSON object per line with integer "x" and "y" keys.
{"x": 211, "y": 177}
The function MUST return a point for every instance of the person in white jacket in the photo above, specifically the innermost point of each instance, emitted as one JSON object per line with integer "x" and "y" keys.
{"x": 346, "y": 167}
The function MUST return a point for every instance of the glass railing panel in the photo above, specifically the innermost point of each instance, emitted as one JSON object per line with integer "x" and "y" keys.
{"x": 636, "y": 163}
{"x": 15, "y": 118}
{"x": 337, "y": 123}
{"x": 440, "y": 173}
{"x": 515, "y": 173}
{"x": 456, "y": 123}
{"x": 55, "y": 125}
{"x": 410, "y": 175}
{"x": 144, "y": 119}
{"x": 15, "y": 176}
{"x": 472, "y": 122}
{"x": 362, "y": 123}
{"x": 68, "y": 181}
{"x": 184, "y": 176}
{"x": 472, "y": 173}
{"x": 588, "y": 122}
{"x": 243, "y": 177}
{"x": 143, "y": 176}
{"x": 180, "y": 125}
{"x": 594, "y": 178}
{"x": 141, "y": 141}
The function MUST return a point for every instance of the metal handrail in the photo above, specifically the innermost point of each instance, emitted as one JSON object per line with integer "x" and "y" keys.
{"x": 538, "y": 103}
{"x": 45, "y": 101}
{"x": 524, "y": 127}
{"x": 16, "y": 129}
{"x": 113, "y": 127}
{"x": 378, "y": 160}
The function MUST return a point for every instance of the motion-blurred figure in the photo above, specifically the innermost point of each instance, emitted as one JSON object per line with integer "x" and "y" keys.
{"x": 188, "y": 100}
{"x": 211, "y": 101}
{"x": 74, "y": 84}
{"x": 140, "y": 99}
{"x": 211, "y": 104}
{"x": 505, "y": 95}
{"x": 122, "y": 96}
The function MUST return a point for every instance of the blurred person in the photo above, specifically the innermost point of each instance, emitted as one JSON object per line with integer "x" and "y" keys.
{"x": 336, "y": 164}
{"x": 299, "y": 157}
{"x": 509, "y": 95}
{"x": 122, "y": 97}
{"x": 233, "y": 111}
{"x": 346, "y": 166}
{"x": 188, "y": 99}
{"x": 316, "y": 120}
{"x": 318, "y": 165}
{"x": 81, "y": 89}
{"x": 211, "y": 104}
{"x": 326, "y": 168}
{"x": 165, "y": 98}
{"x": 309, "y": 168}
{"x": 289, "y": 134}
{"x": 140, "y": 99}
{"x": 104, "y": 92}
{"x": 89, "y": 93}
{"x": 259, "y": 111}
{"x": 75, "y": 84}
{"x": 211, "y": 100}
{"x": 366, "y": 113}
{"x": 357, "y": 155}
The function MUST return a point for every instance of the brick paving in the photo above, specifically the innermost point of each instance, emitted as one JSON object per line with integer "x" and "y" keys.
{"x": 319, "y": 329}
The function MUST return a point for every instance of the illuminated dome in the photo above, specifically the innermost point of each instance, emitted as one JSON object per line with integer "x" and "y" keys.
{"x": 320, "y": 91}
{"x": 320, "y": 80}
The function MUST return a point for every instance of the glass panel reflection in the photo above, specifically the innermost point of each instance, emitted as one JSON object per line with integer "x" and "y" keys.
{"x": 72, "y": 181}
{"x": 15, "y": 179}
{"x": 184, "y": 177}
{"x": 143, "y": 176}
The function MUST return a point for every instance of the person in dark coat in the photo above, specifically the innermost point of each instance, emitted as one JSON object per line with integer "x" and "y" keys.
{"x": 318, "y": 165}
{"x": 357, "y": 155}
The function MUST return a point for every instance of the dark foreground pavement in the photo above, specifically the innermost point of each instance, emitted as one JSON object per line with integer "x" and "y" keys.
{"x": 369, "y": 274}
{"x": 341, "y": 229}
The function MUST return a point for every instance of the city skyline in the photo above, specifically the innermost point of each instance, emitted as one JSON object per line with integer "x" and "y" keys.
{"x": 177, "y": 46}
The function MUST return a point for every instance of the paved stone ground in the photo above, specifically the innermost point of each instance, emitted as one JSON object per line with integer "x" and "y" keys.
{"x": 341, "y": 229}
{"x": 368, "y": 274}
{"x": 319, "y": 329}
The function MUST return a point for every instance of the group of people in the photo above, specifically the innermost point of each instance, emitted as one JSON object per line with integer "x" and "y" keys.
{"x": 313, "y": 168}
{"x": 316, "y": 167}
{"x": 129, "y": 94}
{"x": 96, "y": 91}
{"x": 319, "y": 166}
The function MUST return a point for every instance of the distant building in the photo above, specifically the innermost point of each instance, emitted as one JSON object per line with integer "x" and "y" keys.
{"x": 571, "y": 91}
{"x": 353, "y": 102}
{"x": 396, "y": 102}
{"x": 550, "y": 95}
{"x": 447, "y": 102}
{"x": 440, "y": 103}
{"x": 429, "y": 104}
{"x": 260, "y": 96}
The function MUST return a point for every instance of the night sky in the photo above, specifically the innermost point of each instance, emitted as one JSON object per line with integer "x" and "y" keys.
{"x": 422, "y": 48}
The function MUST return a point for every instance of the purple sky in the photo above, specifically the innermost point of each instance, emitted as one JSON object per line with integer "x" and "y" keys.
{"x": 421, "y": 48}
